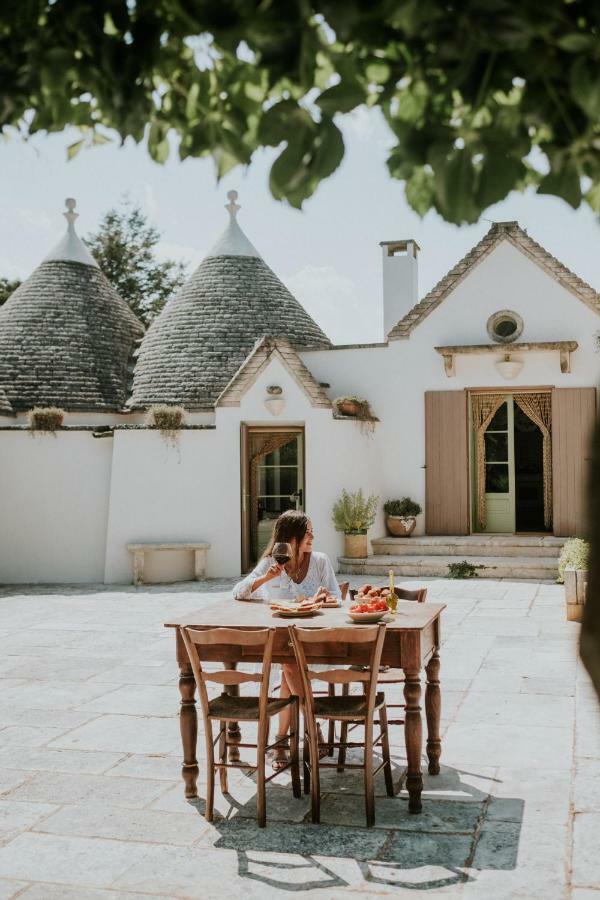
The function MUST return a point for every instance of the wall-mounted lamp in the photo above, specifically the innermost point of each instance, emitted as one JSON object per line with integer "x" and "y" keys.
{"x": 509, "y": 368}
{"x": 275, "y": 401}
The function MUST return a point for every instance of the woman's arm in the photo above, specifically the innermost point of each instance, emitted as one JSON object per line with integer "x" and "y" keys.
{"x": 250, "y": 587}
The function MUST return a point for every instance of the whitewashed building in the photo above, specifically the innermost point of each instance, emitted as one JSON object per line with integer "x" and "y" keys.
{"x": 484, "y": 393}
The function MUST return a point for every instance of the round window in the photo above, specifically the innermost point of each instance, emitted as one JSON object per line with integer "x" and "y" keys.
{"x": 504, "y": 326}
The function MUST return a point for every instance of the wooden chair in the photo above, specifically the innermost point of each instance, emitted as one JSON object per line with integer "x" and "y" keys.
{"x": 226, "y": 708}
{"x": 355, "y": 709}
{"x": 386, "y": 676}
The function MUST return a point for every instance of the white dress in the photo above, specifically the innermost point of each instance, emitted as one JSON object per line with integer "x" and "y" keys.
{"x": 320, "y": 574}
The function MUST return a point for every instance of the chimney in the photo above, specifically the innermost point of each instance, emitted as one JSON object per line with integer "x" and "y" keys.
{"x": 400, "y": 281}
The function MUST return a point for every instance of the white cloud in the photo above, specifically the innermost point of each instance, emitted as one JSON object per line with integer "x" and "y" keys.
{"x": 191, "y": 256}
{"x": 9, "y": 270}
{"x": 334, "y": 302}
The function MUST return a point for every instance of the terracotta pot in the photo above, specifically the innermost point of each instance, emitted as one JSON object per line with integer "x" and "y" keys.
{"x": 356, "y": 546}
{"x": 348, "y": 408}
{"x": 401, "y": 526}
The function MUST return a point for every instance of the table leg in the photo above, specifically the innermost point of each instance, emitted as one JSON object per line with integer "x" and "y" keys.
{"x": 188, "y": 723}
{"x": 234, "y": 735}
{"x": 433, "y": 709}
{"x": 414, "y": 739}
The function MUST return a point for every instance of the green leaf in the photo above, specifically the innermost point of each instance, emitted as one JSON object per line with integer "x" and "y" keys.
{"x": 73, "y": 149}
{"x": 593, "y": 197}
{"x": 576, "y": 41}
{"x": 420, "y": 190}
{"x": 158, "y": 144}
{"x": 330, "y": 150}
{"x": 585, "y": 87}
{"x": 378, "y": 72}
{"x": 563, "y": 182}
{"x": 499, "y": 175}
{"x": 455, "y": 178}
{"x": 342, "y": 97}
{"x": 282, "y": 120}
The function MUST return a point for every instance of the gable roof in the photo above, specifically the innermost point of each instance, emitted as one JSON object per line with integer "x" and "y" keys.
{"x": 5, "y": 407}
{"x": 500, "y": 231}
{"x": 266, "y": 349}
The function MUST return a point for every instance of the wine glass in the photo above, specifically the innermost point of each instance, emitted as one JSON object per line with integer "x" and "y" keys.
{"x": 282, "y": 553}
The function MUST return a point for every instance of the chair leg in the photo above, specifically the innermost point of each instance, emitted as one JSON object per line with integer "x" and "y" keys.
{"x": 261, "y": 802}
{"x": 385, "y": 748}
{"x": 305, "y": 761}
{"x": 343, "y": 734}
{"x": 368, "y": 771}
{"x": 223, "y": 756}
{"x": 315, "y": 788}
{"x": 295, "y": 750}
{"x": 210, "y": 771}
{"x": 331, "y": 728}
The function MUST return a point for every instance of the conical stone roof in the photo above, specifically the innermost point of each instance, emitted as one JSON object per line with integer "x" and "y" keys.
{"x": 205, "y": 332}
{"x": 66, "y": 336}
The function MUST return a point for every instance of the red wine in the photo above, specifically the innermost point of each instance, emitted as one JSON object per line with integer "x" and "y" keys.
{"x": 281, "y": 559}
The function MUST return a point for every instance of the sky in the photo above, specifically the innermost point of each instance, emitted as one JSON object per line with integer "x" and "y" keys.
{"x": 327, "y": 254}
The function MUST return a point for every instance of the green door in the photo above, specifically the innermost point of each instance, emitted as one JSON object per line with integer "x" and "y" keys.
{"x": 500, "y": 471}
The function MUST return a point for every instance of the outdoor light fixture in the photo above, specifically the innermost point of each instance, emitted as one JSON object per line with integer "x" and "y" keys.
{"x": 509, "y": 368}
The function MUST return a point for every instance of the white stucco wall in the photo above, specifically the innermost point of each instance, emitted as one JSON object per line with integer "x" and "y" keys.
{"x": 53, "y": 506}
{"x": 395, "y": 378}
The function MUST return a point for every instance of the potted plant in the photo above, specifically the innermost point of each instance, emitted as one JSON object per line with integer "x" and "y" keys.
{"x": 572, "y": 571}
{"x": 46, "y": 418}
{"x": 354, "y": 514}
{"x": 356, "y": 407}
{"x": 401, "y": 516}
{"x": 168, "y": 419}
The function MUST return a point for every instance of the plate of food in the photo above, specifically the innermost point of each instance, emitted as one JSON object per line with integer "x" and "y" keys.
{"x": 295, "y": 610}
{"x": 368, "y": 610}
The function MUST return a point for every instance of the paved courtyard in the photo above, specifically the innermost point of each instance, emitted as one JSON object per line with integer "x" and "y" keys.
{"x": 92, "y": 805}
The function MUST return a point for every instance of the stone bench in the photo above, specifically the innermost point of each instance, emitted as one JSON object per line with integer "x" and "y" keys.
{"x": 199, "y": 549}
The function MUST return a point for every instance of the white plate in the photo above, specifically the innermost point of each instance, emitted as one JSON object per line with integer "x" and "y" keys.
{"x": 367, "y": 617}
{"x": 296, "y": 613}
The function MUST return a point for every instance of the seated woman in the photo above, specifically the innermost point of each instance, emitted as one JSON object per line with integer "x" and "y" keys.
{"x": 304, "y": 574}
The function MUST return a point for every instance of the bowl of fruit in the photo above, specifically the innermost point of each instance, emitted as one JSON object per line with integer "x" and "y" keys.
{"x": 369, "y": 605}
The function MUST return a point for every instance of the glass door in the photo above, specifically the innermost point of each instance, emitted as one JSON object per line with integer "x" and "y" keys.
{"x": 500, "y": 471}
{"x": 272, "y": 482}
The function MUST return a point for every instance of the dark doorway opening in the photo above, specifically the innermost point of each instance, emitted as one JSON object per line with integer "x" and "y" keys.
{"x": 529, "y": 474}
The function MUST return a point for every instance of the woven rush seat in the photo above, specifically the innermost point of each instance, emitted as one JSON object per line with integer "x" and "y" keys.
{"x": 245, "y": 709}
{"x": 348, "y": 707}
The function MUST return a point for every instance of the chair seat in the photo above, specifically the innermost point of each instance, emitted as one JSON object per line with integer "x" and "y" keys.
{"x": 244, "y": 709}
{"x": 353, "y": 706}
{"x": 385, "y": 674}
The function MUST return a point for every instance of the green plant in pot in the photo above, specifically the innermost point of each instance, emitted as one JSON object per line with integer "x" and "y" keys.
{"x": 353, "y": 514}
{"x": 401, "y": 516}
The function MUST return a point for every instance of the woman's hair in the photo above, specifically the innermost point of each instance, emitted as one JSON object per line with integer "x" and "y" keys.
{"x": 291, "y": 525}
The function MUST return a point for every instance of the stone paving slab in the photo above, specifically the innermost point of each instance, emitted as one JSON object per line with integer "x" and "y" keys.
{"x": 92, "y": 805}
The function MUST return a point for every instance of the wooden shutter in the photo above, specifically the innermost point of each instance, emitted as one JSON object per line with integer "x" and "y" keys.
{"x": 573, "y": 417}
{"x": 447, "y": 463}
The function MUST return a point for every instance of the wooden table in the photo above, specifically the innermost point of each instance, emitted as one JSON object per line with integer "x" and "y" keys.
{"x": 412, "y": 643}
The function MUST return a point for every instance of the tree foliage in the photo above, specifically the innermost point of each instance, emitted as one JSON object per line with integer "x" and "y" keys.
{"x": 124, "y": 246}
{"x": 481, "y": 96}
{"x": 7, "y": 286}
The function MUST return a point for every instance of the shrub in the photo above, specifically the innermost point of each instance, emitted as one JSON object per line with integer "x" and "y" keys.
{"x": 352, "y": 513}
{"x": 575, "y": 553}
{"x": 364, "y": 414}
{"x": 45, "y": 418}
{"x": 463, "y": 569}
{"x": 404, "y": 507}
{"x": 166, "y": 418}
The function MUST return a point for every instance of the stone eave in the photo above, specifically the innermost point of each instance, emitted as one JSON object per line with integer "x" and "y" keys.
{"x": 564, "y": 348}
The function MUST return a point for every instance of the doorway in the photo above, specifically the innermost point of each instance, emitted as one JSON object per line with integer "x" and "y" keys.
{"x": 513, "y": 472}
{"x": 272, "y": 482}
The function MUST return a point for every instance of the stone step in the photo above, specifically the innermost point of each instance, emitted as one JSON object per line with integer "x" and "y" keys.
{"x": 479, "y": 544}
{"x": 535, "y": 568}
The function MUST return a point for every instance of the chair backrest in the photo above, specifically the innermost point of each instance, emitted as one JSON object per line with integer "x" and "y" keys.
{"x": 197, "y": 641}
{"x": 420, "y": 595}
{"x": 371, "y": 636}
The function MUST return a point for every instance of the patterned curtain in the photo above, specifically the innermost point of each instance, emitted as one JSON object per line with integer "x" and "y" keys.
{"x": 260, "y": 444}
{"x": 485, "y": 407}
{"x": 539, "y": 409}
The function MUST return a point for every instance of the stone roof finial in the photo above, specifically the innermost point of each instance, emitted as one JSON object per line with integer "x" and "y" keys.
{"x": 70, "y": 214}
{"x": 232, "y": 207}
